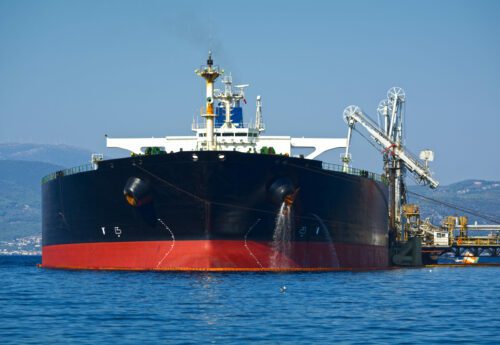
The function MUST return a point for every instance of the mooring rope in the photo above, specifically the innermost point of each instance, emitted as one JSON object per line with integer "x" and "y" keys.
{"x": 456, "y": 207}
{"x": 205, "y": 201}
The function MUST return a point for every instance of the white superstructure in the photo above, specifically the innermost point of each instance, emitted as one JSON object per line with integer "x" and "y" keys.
{"x": 227, "y": 134}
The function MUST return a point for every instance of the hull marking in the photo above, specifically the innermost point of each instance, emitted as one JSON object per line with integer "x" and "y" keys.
{"x": 171, "y": 247}
{"x": 246, "y": 243}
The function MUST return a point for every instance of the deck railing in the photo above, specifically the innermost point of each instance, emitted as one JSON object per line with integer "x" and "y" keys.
{"x": 354, "y": 171}
{"x": 325, "y": 166}
{"x": 477, "y": 241}
{"x": 70, "y": 171}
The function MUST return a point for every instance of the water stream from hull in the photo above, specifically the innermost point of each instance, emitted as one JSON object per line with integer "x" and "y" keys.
{"x": 282, "y": 236}
{"x": 333, "y": 252}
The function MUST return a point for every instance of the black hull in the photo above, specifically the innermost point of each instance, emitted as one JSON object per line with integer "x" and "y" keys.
{"x": 214, "y": 196}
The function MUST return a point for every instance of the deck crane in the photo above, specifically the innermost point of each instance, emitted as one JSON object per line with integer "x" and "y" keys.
{"x": 397, "y": 160}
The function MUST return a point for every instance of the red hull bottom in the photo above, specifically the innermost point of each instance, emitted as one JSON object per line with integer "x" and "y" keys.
{"x": 214, "y": 255}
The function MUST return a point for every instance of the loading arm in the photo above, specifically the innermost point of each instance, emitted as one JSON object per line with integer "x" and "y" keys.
{"x": 354, "y": 114}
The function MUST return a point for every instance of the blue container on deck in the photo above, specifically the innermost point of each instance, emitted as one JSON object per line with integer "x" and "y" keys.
{"x": 236, "y": 115}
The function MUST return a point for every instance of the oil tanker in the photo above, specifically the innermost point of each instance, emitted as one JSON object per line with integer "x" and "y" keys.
{"x": 225, "y": 199}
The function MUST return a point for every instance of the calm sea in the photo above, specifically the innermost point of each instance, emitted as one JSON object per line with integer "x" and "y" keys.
{"x": 412, "y": 306}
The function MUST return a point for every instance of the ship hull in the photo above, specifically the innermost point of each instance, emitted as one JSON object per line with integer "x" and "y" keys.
{"x": 214, "y": 211}
{"x": 212, "y": 255}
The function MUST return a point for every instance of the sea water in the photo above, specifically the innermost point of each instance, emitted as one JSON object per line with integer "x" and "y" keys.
{"x": 414, "y": 306}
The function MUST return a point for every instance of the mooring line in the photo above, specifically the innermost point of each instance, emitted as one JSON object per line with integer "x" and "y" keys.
{"x": 222, "y": 204}
{"x": 170, "y": 184}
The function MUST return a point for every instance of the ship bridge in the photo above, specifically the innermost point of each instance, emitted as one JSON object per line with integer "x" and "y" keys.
{"x": 224, "y": 128}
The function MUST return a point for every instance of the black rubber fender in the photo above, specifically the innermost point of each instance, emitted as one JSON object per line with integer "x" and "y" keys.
{"x": 137, "y": 192}
{"x": 281, "y": 189}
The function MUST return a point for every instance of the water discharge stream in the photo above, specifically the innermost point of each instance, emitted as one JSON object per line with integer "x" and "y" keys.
{"x": 282, "y": 236}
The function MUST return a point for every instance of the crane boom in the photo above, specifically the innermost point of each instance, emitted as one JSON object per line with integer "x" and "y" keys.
{"x": 354, "y": 115}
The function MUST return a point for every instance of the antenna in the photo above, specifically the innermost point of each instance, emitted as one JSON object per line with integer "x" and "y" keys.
{"x": 230, "y": 98}
{"x": 241, "y": 91}
{"x": 259, "y": 122}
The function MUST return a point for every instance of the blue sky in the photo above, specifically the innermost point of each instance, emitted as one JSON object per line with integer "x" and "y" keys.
{"x": 72, "y": 71}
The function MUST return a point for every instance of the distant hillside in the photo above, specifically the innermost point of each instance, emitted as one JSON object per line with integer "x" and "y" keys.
{"x": 20, "y": 204}
{"x": 22, "y": 167}
{"x": 63, "y": 155}
{"x": 478, "y": 195}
